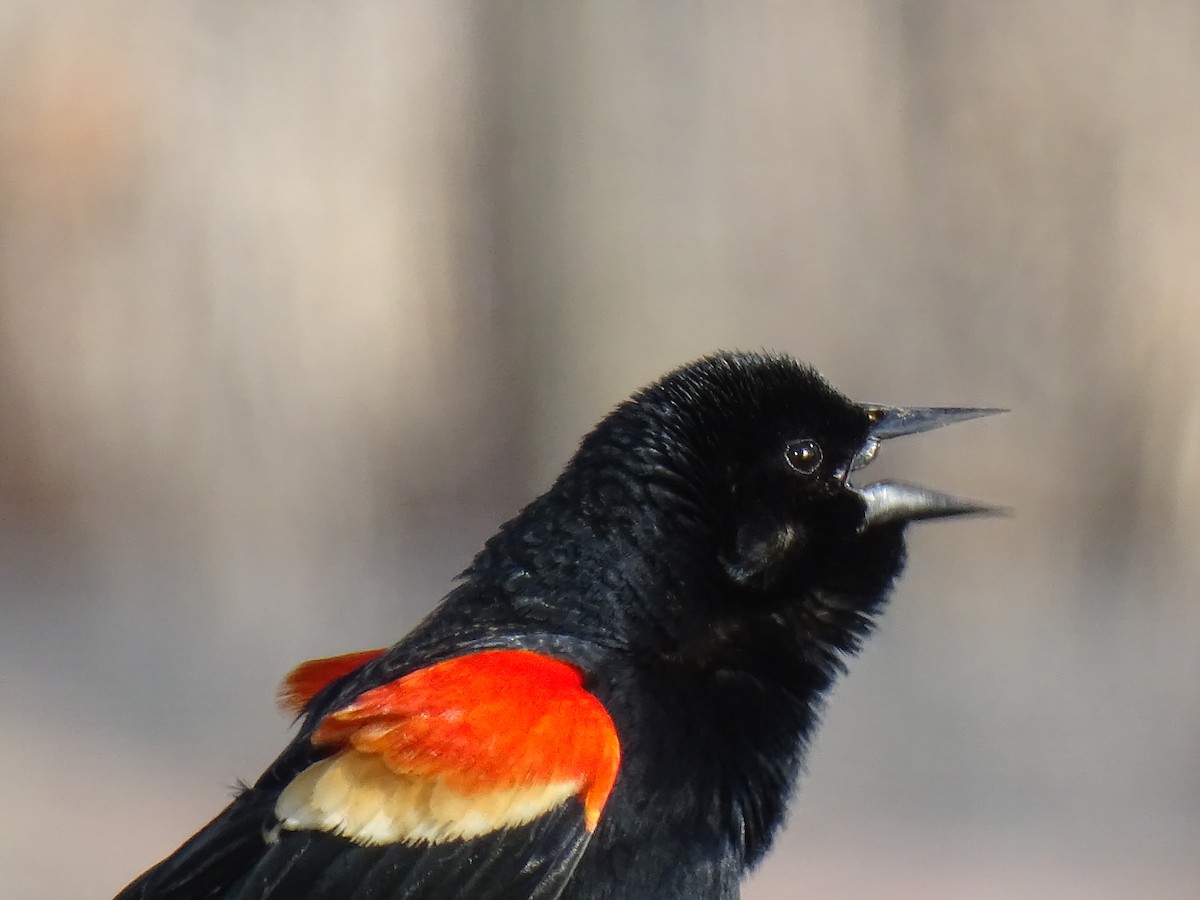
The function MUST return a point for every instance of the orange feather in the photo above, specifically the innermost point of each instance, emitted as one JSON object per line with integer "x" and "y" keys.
{"x": 487, "y": 721}
{"x": 307, "y": 680}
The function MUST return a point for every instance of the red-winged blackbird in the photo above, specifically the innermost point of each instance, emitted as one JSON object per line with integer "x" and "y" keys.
{"x": 615, "y": 699}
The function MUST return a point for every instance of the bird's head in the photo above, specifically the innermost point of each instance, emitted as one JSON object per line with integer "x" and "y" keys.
{"x": 744, "y": 469}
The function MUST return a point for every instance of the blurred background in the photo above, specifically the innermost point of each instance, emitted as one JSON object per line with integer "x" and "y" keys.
{"x": 299, "y": 301}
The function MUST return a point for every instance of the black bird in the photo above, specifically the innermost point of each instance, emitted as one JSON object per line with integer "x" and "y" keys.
{"x": 613, "y": 702}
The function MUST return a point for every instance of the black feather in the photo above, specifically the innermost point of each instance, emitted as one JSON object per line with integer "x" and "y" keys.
{"x": 710, "y": 593}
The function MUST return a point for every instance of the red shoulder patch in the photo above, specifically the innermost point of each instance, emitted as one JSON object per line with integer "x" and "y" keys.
{"x": 306, "y": 680}
{"x": 463, "y": 747}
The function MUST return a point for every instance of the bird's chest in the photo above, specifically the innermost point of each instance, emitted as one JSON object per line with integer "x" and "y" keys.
{"x": 706, "y": 769}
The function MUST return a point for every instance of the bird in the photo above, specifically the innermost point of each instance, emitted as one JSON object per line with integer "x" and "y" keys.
{"x": 614, "y": 699}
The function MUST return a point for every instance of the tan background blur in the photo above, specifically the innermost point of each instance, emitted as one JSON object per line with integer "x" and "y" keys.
{"x": 298, "y": 301}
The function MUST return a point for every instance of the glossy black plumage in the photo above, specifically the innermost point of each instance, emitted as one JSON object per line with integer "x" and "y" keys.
{"x": 709, "y": 587}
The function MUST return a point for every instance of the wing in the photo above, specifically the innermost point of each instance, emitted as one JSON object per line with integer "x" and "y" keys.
{"x": 480, "y": 776}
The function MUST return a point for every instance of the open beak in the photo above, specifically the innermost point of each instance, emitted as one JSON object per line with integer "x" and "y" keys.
{"x": 897, "y": 501}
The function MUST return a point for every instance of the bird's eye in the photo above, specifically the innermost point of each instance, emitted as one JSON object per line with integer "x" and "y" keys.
{"x": 804, "y": 456}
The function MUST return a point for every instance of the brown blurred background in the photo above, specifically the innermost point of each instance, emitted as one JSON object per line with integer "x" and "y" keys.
{"x": 298, "y": 301}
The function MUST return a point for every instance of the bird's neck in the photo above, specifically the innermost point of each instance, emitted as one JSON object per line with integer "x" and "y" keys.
{"x": 598, "y": 553}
